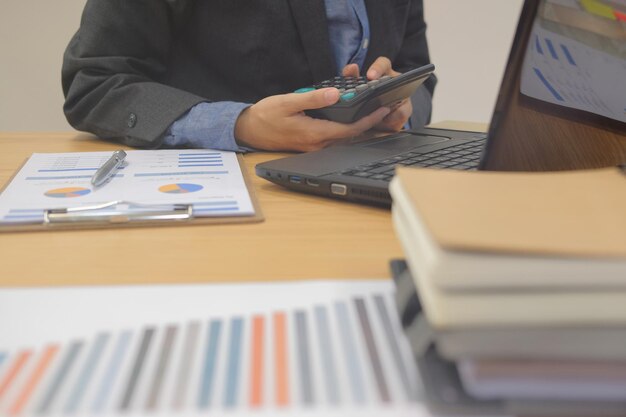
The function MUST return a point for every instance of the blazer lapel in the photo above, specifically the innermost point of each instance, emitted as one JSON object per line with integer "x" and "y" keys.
{"x": 310, "y": 18}
{"x": 378, "y": 13}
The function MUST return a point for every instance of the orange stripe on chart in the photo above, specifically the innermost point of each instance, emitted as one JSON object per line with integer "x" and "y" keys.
{"x": 15, "y": 369}
{"x": 280, "y": 359}
{"x": 256, "y": 371}
{"x": 619, "y": 15}
{"x": 35, "y": 377}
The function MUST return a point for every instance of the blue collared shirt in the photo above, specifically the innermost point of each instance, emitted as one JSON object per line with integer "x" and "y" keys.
{"x": 212, "y": 125}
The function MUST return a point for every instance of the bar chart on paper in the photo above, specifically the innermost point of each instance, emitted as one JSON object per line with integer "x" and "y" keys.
{"x": 322, "y": 355}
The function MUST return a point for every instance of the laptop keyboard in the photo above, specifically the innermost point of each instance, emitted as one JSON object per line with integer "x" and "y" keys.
{"x": 464, "y": 156}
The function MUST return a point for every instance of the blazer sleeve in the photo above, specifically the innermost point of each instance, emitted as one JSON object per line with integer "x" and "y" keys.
{"x": 414, "y": 50}
{"x": 114, "y": 70}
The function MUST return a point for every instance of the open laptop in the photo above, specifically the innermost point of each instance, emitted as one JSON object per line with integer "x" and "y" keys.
{"x": 561, "y": 105}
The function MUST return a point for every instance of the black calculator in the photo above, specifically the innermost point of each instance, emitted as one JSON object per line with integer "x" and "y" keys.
{"x": 360, "y": 96}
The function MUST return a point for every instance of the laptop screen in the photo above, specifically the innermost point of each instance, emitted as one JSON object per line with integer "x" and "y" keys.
{"x": 562, "y": 103}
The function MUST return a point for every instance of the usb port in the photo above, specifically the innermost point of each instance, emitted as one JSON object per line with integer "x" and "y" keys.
{"x": 295, "y": 179}
{"x": 312, "y": 183}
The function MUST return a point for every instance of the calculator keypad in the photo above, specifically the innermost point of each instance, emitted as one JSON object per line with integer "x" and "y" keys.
{"x": 349, "y": 87}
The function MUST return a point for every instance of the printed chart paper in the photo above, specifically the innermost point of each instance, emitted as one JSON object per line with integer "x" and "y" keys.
{"x": 569, "y": 65}
{"x": 315, "y": 348}
{"x": 209, "y": 180}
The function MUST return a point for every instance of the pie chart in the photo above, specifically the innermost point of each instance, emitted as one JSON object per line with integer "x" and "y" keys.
{"x": 180, "y": 188}
{"x": 68, "y": 192}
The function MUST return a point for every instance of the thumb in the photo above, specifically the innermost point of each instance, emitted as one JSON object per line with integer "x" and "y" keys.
{"x": 316, "y": 99}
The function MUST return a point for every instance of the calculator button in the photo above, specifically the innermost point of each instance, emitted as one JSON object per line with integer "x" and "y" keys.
{"x": 347, "y": 96}
{"x": 304, "y": 90}
{"x": 361, "y": 87}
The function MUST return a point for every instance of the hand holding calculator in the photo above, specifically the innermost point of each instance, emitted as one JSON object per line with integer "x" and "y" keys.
{"x": 360, "y": 96}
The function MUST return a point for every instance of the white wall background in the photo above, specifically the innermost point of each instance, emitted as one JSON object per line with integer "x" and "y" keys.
{"x": 33, "y": 36}
{"x": 469, "y": 42}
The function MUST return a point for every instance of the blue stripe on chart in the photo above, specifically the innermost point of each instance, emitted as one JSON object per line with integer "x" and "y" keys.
{"x": 112, "y": 369}
{"x": 551, "y": 49}
{"x": 67, "y": 169}
{"x": 330, "y": 369}
{"x": 547, "y": 84}
{"x": 204, "y": 159}
{"x": 181, "y": 155}
{"x": 59, "y": 377}
{"x": 199, "y": 165}
{"x": 2, "y": 356}
{"x": 568, "y": 55}
{"x": 234, "y": 359}
{"x": 59, "y": 178}
{"x": 210, "y": 361}
{"x": 304, "y": 356}
{"x": 187, "y": 160}
{"x": 349, "y": 349}
{"x": 538, "y": 45}
{"x": 93, "y": 358}
{"x": 200, "y": 161}
{"x": 167, "y": 174}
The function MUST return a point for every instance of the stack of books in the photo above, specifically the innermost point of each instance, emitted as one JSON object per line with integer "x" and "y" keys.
{"x": 520, "y": 285}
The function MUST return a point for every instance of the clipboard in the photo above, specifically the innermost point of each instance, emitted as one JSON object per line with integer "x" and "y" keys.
{"x": 127, "y": 213}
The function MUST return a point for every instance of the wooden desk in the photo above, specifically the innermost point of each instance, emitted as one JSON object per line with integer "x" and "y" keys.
{"x": 302, "y": 237}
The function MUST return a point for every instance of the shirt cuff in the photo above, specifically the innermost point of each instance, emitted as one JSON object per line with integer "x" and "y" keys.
{"x": 207, "y": 126}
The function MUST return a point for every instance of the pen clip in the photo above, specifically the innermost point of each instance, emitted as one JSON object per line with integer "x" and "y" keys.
{"x": 109, "y": 213}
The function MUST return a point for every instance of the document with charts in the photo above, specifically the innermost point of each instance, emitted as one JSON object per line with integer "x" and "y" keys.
{"x": 315, "y": 348}
{"x": 210, "y": 182}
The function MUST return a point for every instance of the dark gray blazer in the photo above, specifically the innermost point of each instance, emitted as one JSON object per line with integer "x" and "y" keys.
{"x": 135, "y": 66}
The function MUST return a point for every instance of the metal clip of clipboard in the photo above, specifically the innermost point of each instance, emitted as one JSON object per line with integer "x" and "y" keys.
{"x": 109, "y": 213}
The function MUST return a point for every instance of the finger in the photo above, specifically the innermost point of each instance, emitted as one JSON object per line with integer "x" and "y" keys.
{"x": 380, "y": 67}
{"x": 297, "y": 102}
{"x": 350, "y": 70}
{"x": 392, "y": 125}
{"x": 396, "y": 120}
{"x": 326, "y": 130}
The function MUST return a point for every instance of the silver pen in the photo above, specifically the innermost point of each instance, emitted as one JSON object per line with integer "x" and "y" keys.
{"x": 108, "y": 169}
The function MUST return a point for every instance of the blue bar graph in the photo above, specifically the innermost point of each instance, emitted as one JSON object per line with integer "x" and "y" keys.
{"x": 551, "y": 49}
{"x": 547, "y": 84}
{"x": 210, "y": 362}
{"x": 538, "y": 45}
{"x": 568, "y": 55}
{"x": 232, "y": 372}
{"x": 113, "y": 367}
{"x": 336, "y": 354}
{"x": 93, "y": 358}
{"x": 350, "y": 357}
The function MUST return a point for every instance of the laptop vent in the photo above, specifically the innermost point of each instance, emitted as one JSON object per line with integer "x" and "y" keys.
{"x": 376, "y": 195}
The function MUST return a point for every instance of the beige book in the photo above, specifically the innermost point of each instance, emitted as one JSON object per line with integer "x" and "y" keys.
{"x": 490, "y": 248}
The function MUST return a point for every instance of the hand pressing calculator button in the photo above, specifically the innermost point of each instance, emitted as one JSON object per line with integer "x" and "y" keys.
{"x": 360, "y": 97}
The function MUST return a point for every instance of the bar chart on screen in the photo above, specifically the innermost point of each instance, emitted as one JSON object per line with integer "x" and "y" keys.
{"x": 332, "y": 354}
